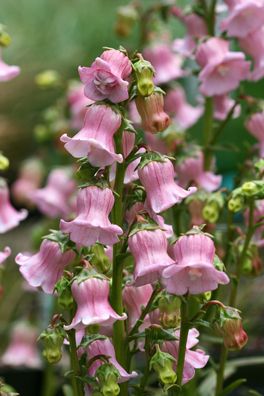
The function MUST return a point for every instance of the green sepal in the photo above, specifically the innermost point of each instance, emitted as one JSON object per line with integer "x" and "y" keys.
{"x": 62, "y": 239}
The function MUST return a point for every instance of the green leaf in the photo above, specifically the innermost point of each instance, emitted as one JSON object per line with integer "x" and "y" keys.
{"x": 88, "y": 339}
{"x": 233, "y": 386}
{"x": 67, "y": 390}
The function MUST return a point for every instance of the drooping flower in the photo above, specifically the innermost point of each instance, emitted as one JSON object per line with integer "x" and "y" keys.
{"x": 222, "y": 106}
{"x": 182, "y": 113}
{"x": 194, "y": 271}
{"x": 4, "y": 254}
{"x": 231, "y": 328}
{"x": 193, "y": 359}
{"x": 253, "y": 45}
{"x": 149, "y": 249}
{"x": 222, "y": 70}
{"x": 78, "y": 103}
{"x": 93, "y": 307}
{"x": 9, "y": 216}
{"x": 191, "y": 169}
{"x": 255, "y": 125}
{"x": 44, "y": 268}
{"x": 154, "y": 119}
{"x": 162, "y": 192}
{"x": 167, "y": 65}
{"x": 135, "y": 299}
{"x": 7, "y": 72}
{"x": 107, "y": 77}
{"x": 54, "y": 199}
{"x": 92, "y": 224}
{"x": 245, "y": 16}
{"x": 95, "y": 140}
{"x": 22, "y": 349}
{"x": 105, "y": 347}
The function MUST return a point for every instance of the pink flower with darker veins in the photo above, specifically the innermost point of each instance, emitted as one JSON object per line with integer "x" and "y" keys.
{"x": 135, "y": 299}
{"x": 107, "y": 77}
{"x": 157, "y": 177}
{"x": 93, "y": 307}
{"x": 7, "y": 72}
{"x": 92, "y": 224}
{"x": 245, "y": 16}
{"x": 191, "y": 169}
{"x": 193, "y": 359}
{"x": 9, "y": 216}
{"x": 44, "y": 268}
{"x": 96, "y": 139}
{"x": 222, "y": 70}
{"x": 54, "y": 199}
{"x": 194, "y": 271}
{"x": 167, "y": 65}
{"x": 149, "y": 249}
{"x": 105, "y": 347}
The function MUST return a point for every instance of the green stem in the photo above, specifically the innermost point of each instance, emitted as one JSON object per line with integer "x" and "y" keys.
{"x": 233, "y": 296}
{"x": 207, "y": 131}
{"x": 76, "y": 385}
{"x": 182, "y": 346}
{"x": 211, "y": 18}
{"x": 117, "y": 278}
{"x": 49, "y": 387}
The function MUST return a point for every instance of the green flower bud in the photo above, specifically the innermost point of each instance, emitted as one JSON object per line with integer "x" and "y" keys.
{"x": 48, "y": 79}
{"x": 169, "y": 307}
{"x": 250, "y": 188}
{"x": 53, "y": 339}
{"x": 144, "y": 75}
{"x": 42, "y": 133}
{"x": 126, "y": 18}
{"x": 5, "y": 39}
{"x": 211, "y": 212}
{"x": 162, "y": 363}
{"x": 108, "y": 376}
{"x": 4, "y": 162}
{"x": 110, "y": 389}
{"x": 236, "y": 204}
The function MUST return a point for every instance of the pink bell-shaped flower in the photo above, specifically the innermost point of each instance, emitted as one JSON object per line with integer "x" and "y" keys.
{"x": 105, "y": 347}
{"x": 106, "y": 78}
{"x": 22, "y": 349}
{"x": 4, "y": 254}
{"x": 9, "y": 216}
{"x": 78, "y": 103}
{"x": 7, "y": 72}
{"x": 162, "y": 192}
{"x": 135, "y": 299}
{"x": 193, "y": 271}
{"x": 255, "y": 125}
{"x": 92, "y": 224}
{"x": 93, "y": 307}
{"x": 222, "y": 70}
{"x": 44, "y": 268}
{"x": 253, "y": 45}
{"x": 193, "y": 359}
{"x": 149, "y": 249}
{"x": 167, "y": 65}
{"x": 182, "y": 113}
{"x": 222, "y": 106}
{"x": 245, "y": 16}
{"x": 191, "y": 170}
{"x": 54, "y": 199}
{"x": 95, "y": 140}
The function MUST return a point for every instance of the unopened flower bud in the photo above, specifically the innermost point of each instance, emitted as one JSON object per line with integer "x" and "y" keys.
{"x": 236, "y": 204}
{"x": 211, "y": 212}
{"x": 162, "y": 363}
{"x": 108, "y": 376}
{"x": 169, "y": 307}
{"x": 252, "y": 264}
{"x": 250, "y": 189}
{"x": 48, "y": 79}
{"x": 144, "y": 75}
{"x": 5, "y": 39}
{"x": 53, "y": 341}
{"x": 230, "y": 327}
{"x": 4, "y": 162}
{"x": 126, "y": 18}
{"x": 42, "y": 133}
{"x": 150, "y": 108}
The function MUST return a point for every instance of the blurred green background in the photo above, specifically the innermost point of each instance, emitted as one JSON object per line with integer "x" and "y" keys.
{"x": 61, "y": 35}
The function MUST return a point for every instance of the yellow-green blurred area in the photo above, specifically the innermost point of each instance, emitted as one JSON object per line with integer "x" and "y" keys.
{"x": 61, "y": 35}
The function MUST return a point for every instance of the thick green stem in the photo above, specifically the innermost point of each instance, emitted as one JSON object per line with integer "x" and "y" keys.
{"x": 207, "y": 132}
{"x": 182, "y": 346}
{"x": 76, "y": 385}
{"x": 233, "y": 296}
{"x": 49, "y": 386}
